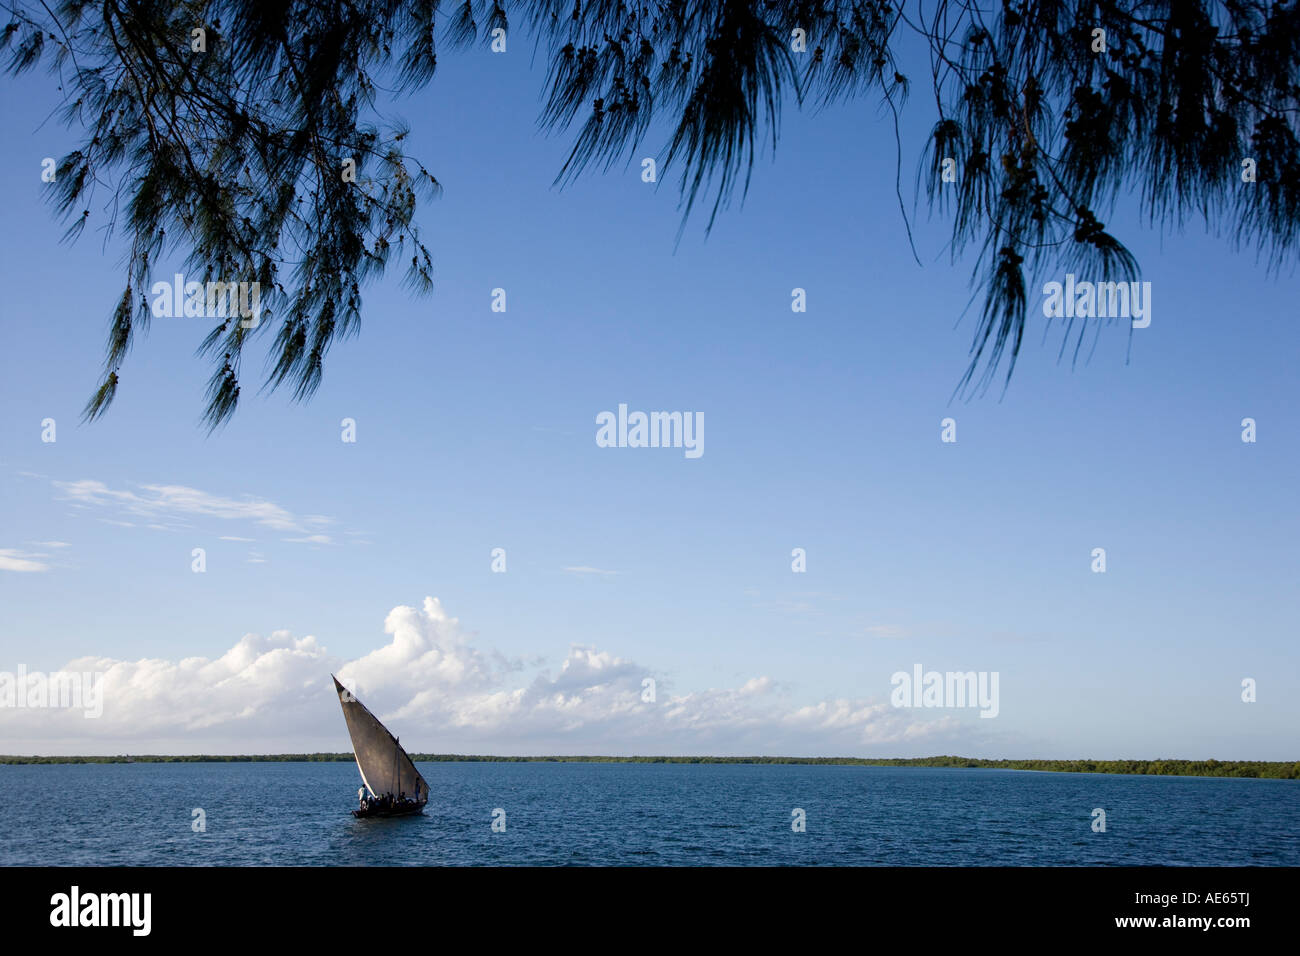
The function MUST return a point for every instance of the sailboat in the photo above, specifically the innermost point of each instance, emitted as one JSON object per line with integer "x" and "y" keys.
{"x": 395, "y": 787}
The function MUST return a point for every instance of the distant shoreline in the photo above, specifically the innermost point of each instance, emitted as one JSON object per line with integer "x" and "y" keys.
{"x": 1263, "y": 769}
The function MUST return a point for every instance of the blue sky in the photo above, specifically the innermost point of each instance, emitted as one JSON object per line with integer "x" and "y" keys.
{"x": 476, "y": 430}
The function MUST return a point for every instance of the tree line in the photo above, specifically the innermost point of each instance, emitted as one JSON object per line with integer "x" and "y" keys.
{"x": 1264, "y": 769}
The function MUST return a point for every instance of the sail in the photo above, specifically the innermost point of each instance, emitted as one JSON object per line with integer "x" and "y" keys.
{"x": 384, "y": 765}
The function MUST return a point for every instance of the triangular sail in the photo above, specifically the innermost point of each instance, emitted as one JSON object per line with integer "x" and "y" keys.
{"x": 384, "y": 765}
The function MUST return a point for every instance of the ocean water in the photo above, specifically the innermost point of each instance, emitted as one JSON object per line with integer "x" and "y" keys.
{"x": 640, "y": 814}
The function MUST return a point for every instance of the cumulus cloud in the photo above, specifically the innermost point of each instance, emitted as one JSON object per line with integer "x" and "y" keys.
{"x": 441, "y": 693}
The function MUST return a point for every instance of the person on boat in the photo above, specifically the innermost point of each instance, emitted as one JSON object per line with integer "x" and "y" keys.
{"x": 361, "y": 797}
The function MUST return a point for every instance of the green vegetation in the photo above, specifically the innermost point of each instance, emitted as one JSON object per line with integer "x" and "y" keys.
{"x": 1275, "y": 770}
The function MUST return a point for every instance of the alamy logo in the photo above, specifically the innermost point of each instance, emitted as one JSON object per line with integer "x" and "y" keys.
{"x": 655, "y": 430}
{"x": 949, "y": 689}
{"x": 1098, "y": 300}
{"x": 103, "y": 909}
{"x": 215, "y": 300}
{"x": 61, "y": 689}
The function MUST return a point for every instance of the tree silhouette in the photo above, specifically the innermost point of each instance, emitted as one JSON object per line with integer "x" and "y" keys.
{"x": 219, "y": 130}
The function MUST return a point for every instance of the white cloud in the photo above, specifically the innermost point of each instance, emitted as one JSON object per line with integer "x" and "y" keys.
{"x": 583, "y": 569}
{"x": 12, "y": 560}
{"x": 886, "y": 630}
{"x": 172, "y": 503}
{"x": 441, "y": 693}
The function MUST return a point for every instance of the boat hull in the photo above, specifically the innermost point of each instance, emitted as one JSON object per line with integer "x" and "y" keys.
{"x": 389, "y": 811}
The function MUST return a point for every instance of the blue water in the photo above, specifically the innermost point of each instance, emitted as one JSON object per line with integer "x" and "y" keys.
{"x": 643, "y": 814}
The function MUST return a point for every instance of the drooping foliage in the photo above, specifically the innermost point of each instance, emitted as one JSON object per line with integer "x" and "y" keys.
{"x": 1046, "y": 113}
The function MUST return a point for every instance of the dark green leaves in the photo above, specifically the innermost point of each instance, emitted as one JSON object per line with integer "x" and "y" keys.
{"x": 229, "y": 162}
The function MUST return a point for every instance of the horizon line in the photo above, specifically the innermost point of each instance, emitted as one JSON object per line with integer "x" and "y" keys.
{"x": 1164, "y": 766}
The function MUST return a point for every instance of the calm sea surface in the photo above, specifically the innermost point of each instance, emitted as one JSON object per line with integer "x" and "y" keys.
{"x": 642, "y": 814}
